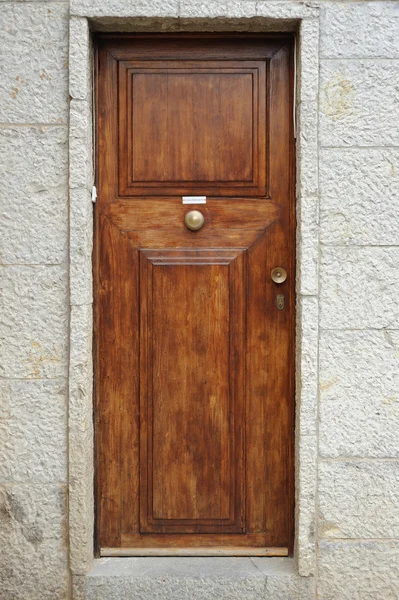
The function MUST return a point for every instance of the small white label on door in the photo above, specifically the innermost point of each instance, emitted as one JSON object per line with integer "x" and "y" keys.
{"x": 194, "y": 199}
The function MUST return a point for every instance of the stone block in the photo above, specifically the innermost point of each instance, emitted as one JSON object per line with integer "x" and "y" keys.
{"x": 80, "y": 59}
{"x": 359, "y": 403}
{"x": 80, "y": 123}
{"x": 79, "y": 587}
{"x": 5, "y": 393}
{"x": 81, "y": 206}
{"x": 81, "y": 243}
{"x": 81, "y": 380}
{"x": 360, "y": 196}
{"x": 170, "y": 588}
{"x": 306, "y": 428}
{"x": 197, "y": 578}
{"x": 305, "y": 509}
{"x": 286, "y": 10}
{"x": 81, "y": 326}
{"x": 363, "y": 570}
{"x": 35, "y": 448}
{"x": 307, "y": 365}
{"x": 307, "y": 109}
{"x": 34, "y": 62}
{"x": 298, "y": 588}
{"x": 308, "y": 59}
{"x": 307, "y": 250}
{"x": 244, "y": 15}
{"x": 33, "y": 195}
{"x": 212, "y": 8}
{"x": 359, "y": 102}
{"x": 358, "y": 499}
{"x": 81, "y": 509}
{"x": 359, "y": 287}
{"x": 307, "y": 184}
{"x": 80, "y": 162}
{"x": 129, "y": 8}
{"x": 33, "y": 564}
{"x": 376, "y": 25}
{"x": 33, "y": 321}
{"x": 81, "y": 460}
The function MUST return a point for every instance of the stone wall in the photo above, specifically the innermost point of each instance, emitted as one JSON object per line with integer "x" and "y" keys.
{"x": 352, "y": 254}
{"x": 34, "y": 302}
{"x": 358, "y": 482}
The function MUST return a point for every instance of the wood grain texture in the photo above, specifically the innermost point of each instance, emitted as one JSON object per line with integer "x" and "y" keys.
{"x": 192, "y": 305}
{"x": 195, "y": 363}
{"x": 193, "y": 551}
{"x": 198, "y": 127}
{"x": 117, "y": 373}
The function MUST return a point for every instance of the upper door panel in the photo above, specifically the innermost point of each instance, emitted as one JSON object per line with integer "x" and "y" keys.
{"x": 192, "y": 127}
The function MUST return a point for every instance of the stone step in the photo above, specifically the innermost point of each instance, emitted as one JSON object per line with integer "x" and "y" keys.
{"x": 198, "y": 578}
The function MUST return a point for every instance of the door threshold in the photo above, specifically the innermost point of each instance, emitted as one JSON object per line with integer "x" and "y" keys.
{"x": 216, "y": 551}
{"x": 196, "y": 578}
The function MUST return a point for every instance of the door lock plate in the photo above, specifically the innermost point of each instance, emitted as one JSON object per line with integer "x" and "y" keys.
{"x": 280, "y": 301}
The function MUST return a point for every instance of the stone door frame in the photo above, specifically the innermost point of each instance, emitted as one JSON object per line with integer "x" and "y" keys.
{"x": 88, "y": 16}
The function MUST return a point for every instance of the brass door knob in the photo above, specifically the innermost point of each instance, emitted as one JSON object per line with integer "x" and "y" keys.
{"x": 279, "y": 275}
{"x": 194, "y": 220}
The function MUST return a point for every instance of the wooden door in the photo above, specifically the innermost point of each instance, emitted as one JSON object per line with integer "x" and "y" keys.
{"x": 194, "y": 373}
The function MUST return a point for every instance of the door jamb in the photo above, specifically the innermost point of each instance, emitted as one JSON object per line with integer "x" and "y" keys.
{"x": 81, "y": 508}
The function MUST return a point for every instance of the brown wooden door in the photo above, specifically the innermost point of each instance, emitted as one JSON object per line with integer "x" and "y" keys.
{"x": 194, "y": 370}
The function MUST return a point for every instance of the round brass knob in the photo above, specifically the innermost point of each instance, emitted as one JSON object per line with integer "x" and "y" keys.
{"x": 279, "y": 275}
{"x": 194, "y": 220}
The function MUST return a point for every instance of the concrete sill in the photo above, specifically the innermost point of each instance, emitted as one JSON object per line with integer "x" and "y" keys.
{"x": 199, "y": 578}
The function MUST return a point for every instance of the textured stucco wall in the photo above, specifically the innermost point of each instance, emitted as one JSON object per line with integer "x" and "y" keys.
{"x": 351, "y": 185}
